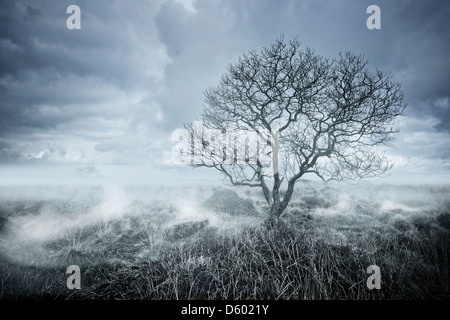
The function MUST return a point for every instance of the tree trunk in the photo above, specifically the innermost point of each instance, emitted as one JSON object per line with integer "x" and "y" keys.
{"x": 278, "y": 206}
{"x": 273, "y": 221}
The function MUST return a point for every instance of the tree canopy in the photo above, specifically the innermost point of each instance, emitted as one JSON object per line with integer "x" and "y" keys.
{"x": 312, "y": 115}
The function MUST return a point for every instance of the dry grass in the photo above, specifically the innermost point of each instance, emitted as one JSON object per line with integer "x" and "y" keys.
{"x": 321, "y": 252}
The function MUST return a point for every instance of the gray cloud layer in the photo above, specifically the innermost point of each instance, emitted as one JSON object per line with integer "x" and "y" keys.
{"x": 113, "y": 91}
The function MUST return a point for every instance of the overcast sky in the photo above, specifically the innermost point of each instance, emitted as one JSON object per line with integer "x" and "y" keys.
{"x": 110, "y": 94}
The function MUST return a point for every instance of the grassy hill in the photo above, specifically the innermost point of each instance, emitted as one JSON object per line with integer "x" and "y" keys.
{"x": 187, "y": 243}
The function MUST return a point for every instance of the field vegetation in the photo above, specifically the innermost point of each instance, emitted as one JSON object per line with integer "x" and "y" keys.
{"x": 140, "y": 242}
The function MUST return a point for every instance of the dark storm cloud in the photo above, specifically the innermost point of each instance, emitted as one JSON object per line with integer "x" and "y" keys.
{"x": 42, "y": 63}
{"x": 422, "y": 51}
{"x": 74, "y": 89}
{"x": 35, "y": 38}
{"x": 413, "y": 43}
{"x": 200, "y": 45}
{"x": 114, "y": 90}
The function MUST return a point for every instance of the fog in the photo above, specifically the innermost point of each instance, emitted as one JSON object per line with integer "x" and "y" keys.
{"x": 79, "y": 215}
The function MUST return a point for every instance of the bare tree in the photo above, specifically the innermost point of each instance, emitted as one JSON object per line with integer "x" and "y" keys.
{"x": 312, "y": 116}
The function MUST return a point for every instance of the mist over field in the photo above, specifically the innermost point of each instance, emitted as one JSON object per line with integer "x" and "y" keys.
{"x": 170, "y": 242}
{"x": 35, "y": 217}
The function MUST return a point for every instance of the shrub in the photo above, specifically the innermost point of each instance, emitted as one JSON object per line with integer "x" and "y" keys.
{"x": 228, "y": 201}
{"x": 184, "y": 230}
{"x": 444, "y": 220}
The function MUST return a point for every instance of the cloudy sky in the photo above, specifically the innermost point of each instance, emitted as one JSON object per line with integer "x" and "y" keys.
{"x": 103, "y": 101}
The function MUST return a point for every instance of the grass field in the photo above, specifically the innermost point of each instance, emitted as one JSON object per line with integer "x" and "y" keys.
{"x": 140, "y": 242}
